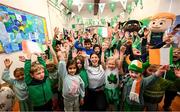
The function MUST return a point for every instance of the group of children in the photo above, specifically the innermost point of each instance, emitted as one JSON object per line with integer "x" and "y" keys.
{"x": 84, "y": 73}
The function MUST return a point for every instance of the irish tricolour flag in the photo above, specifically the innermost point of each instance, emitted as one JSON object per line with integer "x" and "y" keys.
{"x": 32, "y": 47}
{"x": 162, "y": 56}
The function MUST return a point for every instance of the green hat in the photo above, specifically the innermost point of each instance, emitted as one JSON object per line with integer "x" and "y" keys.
{"x": 136, "y": 66}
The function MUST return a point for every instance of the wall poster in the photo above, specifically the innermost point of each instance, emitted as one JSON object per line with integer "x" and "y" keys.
{"x": 17, "y": 25}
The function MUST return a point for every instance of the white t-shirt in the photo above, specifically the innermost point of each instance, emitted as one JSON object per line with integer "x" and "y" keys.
{"x": 112, "y": 78}
{"x": 96, "y": 76}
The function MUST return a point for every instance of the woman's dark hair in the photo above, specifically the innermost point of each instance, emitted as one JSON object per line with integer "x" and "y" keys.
{"x": 72, "y": 62}
{"x": 94, "y": 35}
{"x": 21, "y": 70}
{"x": 58, "y": 42}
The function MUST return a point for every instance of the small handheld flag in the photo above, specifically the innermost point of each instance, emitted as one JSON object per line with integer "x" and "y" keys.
{"x": 102, "y": 31}
{"x": 32, "y": 47}
{"x": 162, "y": 56}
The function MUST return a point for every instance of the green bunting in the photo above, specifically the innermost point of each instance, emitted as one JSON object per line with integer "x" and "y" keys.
{"x": 129, "y": 8}
{"x": 103, "y": 21}
{"x": 136, "y": 2}
{"x": 69, "y": 3}
{"x": 112, "y": 6}
{"x": 90, "y": 7}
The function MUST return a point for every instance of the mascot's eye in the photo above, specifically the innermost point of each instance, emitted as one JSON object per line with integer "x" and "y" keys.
{"x": 161, "y": 23}
{"x": 153, "y": 22}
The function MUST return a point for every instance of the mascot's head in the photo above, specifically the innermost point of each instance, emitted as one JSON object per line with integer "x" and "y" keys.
{"x": 161, "y": 21}
{"x": 132, "y": 25}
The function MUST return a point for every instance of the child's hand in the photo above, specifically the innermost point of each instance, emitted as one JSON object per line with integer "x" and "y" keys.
{"x": 22, "y": 58}
{"x": 168, "y": 40}
{"x": 122, "y": 49}
{"x": 161, "y": 70}
{"x": 60, "y": 56}
{"x": 56, "y": 32}
{"x": 38, "y": 54}
{"x": 116, "y": 54}
{"x": 104, "y": 47}
{"x": 49, "y": 43}
{"x": 121, "y": 34}
{"x": 83, "y": 54}
{"x": 146, "y": 33}
{"x": 129, "y": 42}
{"x": 62, "y": 48}
{"x": 28, "y": 55}
{"x": 81, "y": 101}
{"x": 8, "y": 63}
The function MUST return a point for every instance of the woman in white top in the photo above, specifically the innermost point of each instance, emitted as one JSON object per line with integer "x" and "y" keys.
{"x": 96, "y": 76}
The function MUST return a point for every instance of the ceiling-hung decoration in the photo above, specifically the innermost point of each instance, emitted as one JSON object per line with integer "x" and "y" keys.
{"x": 129, "y": 8}
{"x": 69, "y": 3}
{"x": 103, "y": 21}
{"x": 123, "y": 3}
{"x": 141, "y": 4}
{"x": 78, "y": 19}
{"x": 101, "y": 7}
{"x": 90, "y": 7}
{"x": 136, "y": 2}
{"x": 112, "y": 6}
{"x": 80, "y": 5}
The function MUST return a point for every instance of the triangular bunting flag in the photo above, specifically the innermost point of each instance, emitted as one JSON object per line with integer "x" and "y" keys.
{"x": 101, "y": 7}
{"x": 90, "y": 7}
{"x": 72, "y": 14}
{"x": 124, "y": 3}
{"x": 162, "y": 56}
{"x": 80, "y": 5}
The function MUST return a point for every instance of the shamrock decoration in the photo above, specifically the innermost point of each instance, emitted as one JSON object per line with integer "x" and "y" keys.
{"x": 112, "y": 78}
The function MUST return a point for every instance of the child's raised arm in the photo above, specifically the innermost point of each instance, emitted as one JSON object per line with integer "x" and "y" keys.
{"x": 120, "y": 61}
{"x": 40, "y": 59}
{"x": 102, "y": 56}
{"x": 5, "y": 76}
{"x": 27, "y": 68}
{"x": 49, "y": 45}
